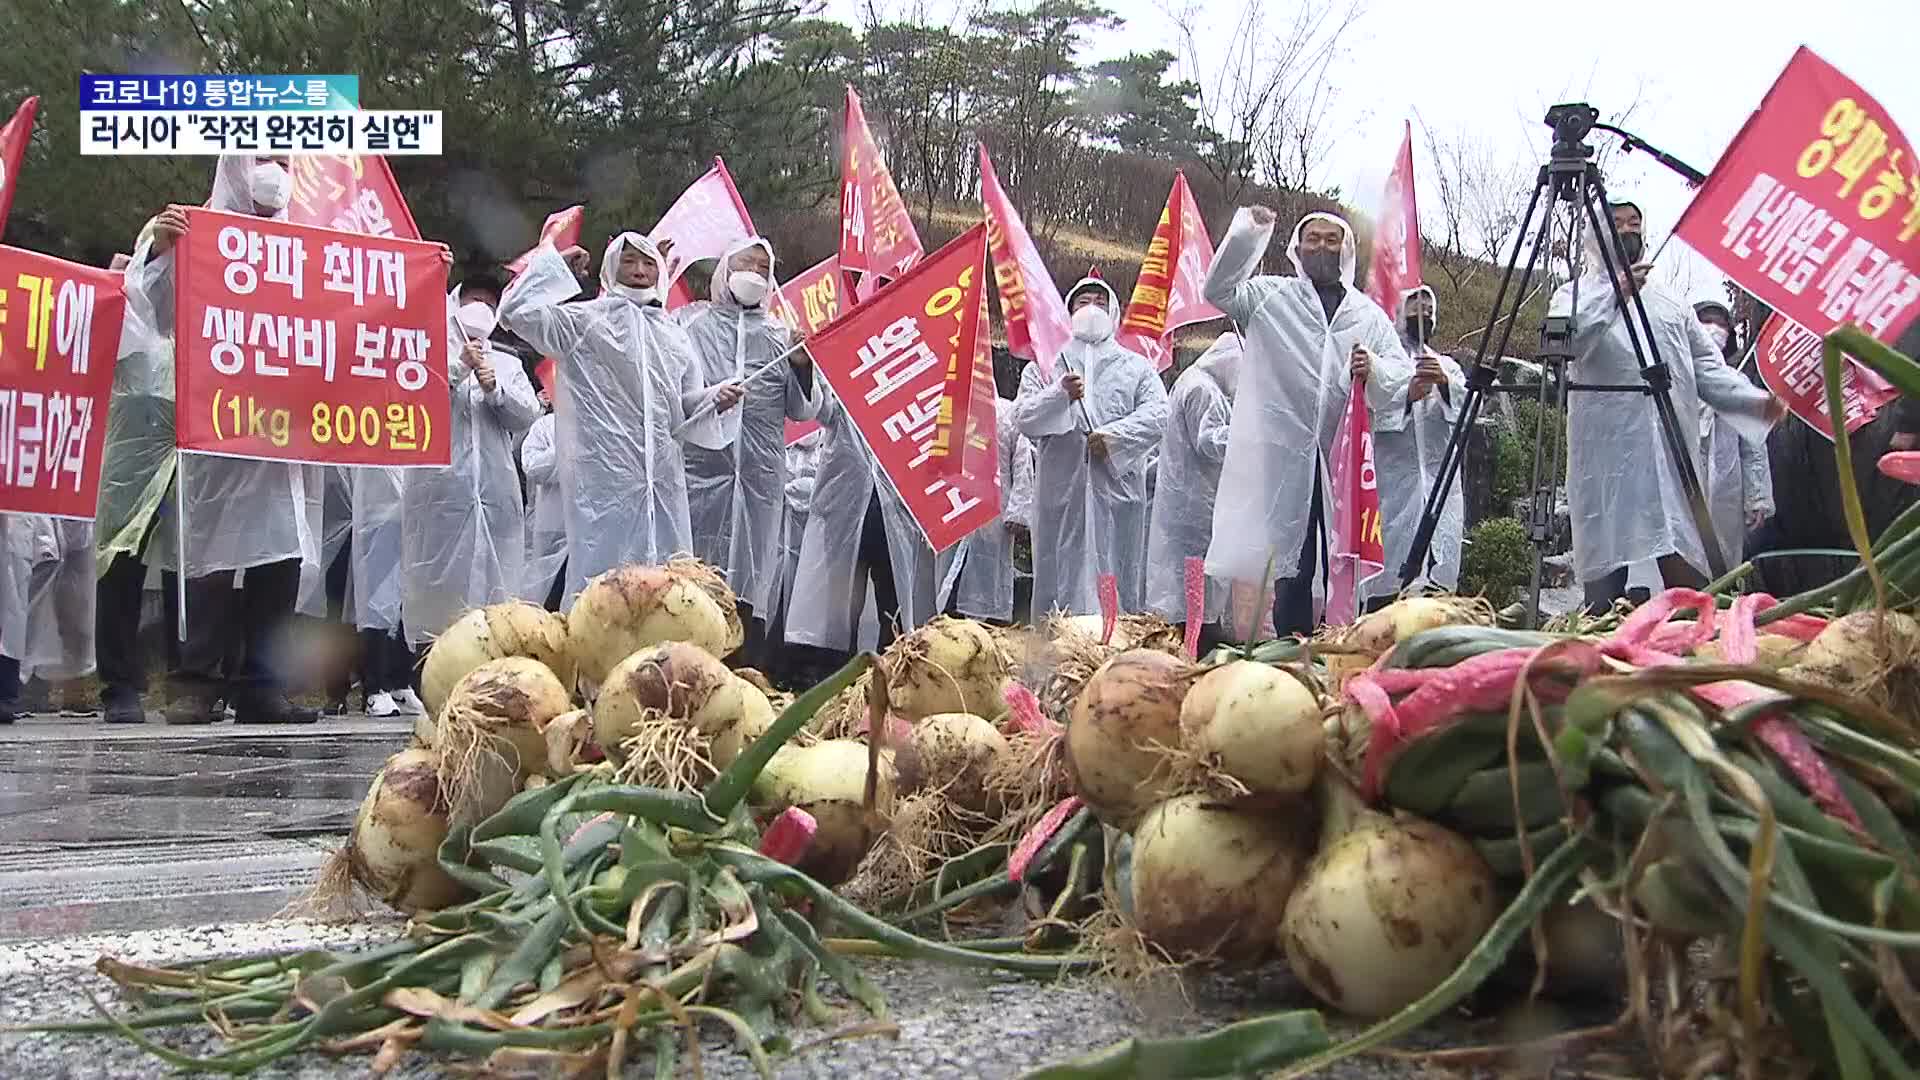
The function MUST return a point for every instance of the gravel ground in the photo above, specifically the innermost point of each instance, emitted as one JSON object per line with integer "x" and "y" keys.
{"x": 957, "y": 1024}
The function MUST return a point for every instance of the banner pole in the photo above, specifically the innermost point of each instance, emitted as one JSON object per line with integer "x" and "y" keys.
{"x": 180, "y": 544}
{"x": 707, "y": 405}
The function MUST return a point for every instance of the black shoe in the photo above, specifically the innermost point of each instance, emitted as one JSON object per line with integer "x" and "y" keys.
{"x": 125, "y": 711}
{"x": 334, "y": 709}
{"x": 193, "y": 711}
{"x": 7, "y": 715}
{"x": 275, "y": 711}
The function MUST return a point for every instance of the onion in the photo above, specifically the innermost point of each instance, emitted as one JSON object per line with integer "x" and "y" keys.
{"x": 492, "y": 733}
{"x": 1256, "y": 724}
{"x": 954, "y": 752}
{"x": 828, "y": 780}
{"x": 1212, "y": 882}
{"x": 756, "y": 716}
{"x": 515, "y": 628}
{"x": 1410, "y": 615}
{"x": 1125, "y": 721}
{"x": 1875, "y": 654}
{"x": 393, "y": 850}
{"x": 1775, "y": 650}
{"x": 676, "y": 680}
{"x": 636, "y": 607}
{"x": 1386, "y": 912}
{"x": 948, "y": 665}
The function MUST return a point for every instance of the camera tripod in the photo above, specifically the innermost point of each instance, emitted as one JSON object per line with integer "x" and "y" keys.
{"x": 1569, "y": 176}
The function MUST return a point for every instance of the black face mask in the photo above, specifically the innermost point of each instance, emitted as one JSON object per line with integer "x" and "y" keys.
{"x": 1321, "y": 267}
{"x": 1420, "y": 328}
{"x": 1632, "y": 246}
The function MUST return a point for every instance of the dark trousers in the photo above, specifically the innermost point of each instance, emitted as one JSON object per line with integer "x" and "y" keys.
{"x": 9, "y": 684}
{"x": 1293, "y": 597}
{"x": 221, "y": 617}
{"x": 340, "y": 675}
{"x": 559, "y": 590}
{"x": 386, "y": 663}
{"x": 875, "y": 562}
{"x": 117, "y": 650}
{"x": 1602, "y": 592}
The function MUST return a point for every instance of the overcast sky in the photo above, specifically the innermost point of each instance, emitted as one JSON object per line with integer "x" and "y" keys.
{"x": 1492, "y": 67}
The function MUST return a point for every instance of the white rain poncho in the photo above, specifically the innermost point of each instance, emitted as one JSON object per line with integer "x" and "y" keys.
{"x": 1292, "y": 392}
{"x": 465, "y": 527}
{"x": 1739, "y": 481}
{"x": 138, "y": 456}
{"x": 26, "y": 542}
{"x": 376, "y": 559}
{"x": 336, "y": 531}
{"x": 1407, "y": 463}
{"x": 976, "y": 575}
{"x": 1090, "y": 517}
{"x": 546, "y": 513}
{"x": 736, "y": 460}
{"x": 60, "y": 616}
{"x": 1623, "y": 489}
{"x": 627, "y": 377}
{"x": 1199, "y": 415}
{"x": 826, "y": 597}
{"x": 803, "y": 465}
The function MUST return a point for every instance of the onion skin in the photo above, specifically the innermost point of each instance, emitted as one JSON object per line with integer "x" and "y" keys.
{"x": 492, "y": 734}
{"x": 514, "y": 628}
{"x": 676, "y": 680}
{"x": 954, "y": 752}
{"x": 1257, "y": 724}
{"x": 947, "y": 666}
{"x": 1130, "y": 704}
{"x": 393, "y": 851}
{"x": 1385, "y": 913}
{"x": 756, "y": 716}
{"x": 1212, "y": 882}
{"x": 1405, "y": 617}
{"x": 631, "y": 608}
{"x": 1873, "y": 653}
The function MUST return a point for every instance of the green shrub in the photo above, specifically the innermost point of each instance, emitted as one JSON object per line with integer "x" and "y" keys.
{"x": 1498, "y": 561}
{"x": 1513, "y": 451}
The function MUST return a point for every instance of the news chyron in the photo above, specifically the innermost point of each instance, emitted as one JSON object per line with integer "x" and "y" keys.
{"x": 211, "y": 115}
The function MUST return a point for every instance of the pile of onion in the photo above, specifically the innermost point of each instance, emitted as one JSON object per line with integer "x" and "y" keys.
{"x": 947, "y": 666}
{"x": 393, "y": 850}
{"x": 828, "y": 780}
{"x": 492, "y": 734}
{"x": 631, "y": 608}
{"x": 1213, "y": 882}
{"x": 515, "y": 628}
{"x": 1125, "y": 722}
{"x": 673, "y": 713}
{"x": 1255, "y": 728}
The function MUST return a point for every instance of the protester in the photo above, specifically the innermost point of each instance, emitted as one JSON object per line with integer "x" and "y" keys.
{"x": 1738, "y": 476}
{"x": 1199, "y": 415}
{"x": 736, "y": 460}
{"x": 1623, "y": 489}
{"x": 1407, "y": 461}
{"x": 465, "y": 525}
{"x": 543, "y": 577}
{"x": 628, "y": 378}
{"x": 60, "y": 615}
{"x": 25, "y": 540}
{"x": 242, "y": 517}
{"x": 1307, "y": 338}
{"x": 803, "y": 464}
{"x": 976, "y": 575}
{"x": 341, "y": 660}
{"x": 385, "y": 663}
{"x": 1093, "y": 428}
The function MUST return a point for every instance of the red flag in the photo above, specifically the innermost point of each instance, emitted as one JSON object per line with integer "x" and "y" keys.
{"x": 876, "y": 233}
{"x": 889, "y": 361}
{"x": 13, "y": 147}
{"x": 808, "y": 301}
{"x": 1357, "y": 552}
{"x": 701, "y": 223}
{"x": 353, "y": 193}
{"x": 1815, "y": 207}
{"x": 1788, "y": 356}
{"x": 59, "y": 335}
{"x": 1395, "y": 266}
{"x": 547, "y": 371}
{"x": 562, "y": 230}
{"x": 1167, "y": 293}
{"x": 1038, "y": 326}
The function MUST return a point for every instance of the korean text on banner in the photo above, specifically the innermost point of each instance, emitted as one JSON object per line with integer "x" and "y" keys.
{"x": 808, "y": 301}
{"x": 707, "y": 217}
{"x": 1166, "y": 295}
{"x": 1357, "y": 550}
{"x": 888, "y": 361}
{"x": 13, "y": 148}
{"x": 1395, "y": 266}
{"x": 562, "y": 230}
{"x": 1038, "y": 326}
{"x": 1815, "y": 207}
{"x": 1788, "y": 356}
{"x": 303, "y": 344}
{"x": 354, "y": 193}
{"x": 59, "y": 334}
{"x": 876, "y": 232}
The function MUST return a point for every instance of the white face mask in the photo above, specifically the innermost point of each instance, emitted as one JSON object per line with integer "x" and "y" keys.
{"x": 1719, "y": 335}
{"x": 1092, "y": 323}
{"x": 477, "y": 319}
{"x": 635, "y": 294}
{"x": 747, "y": 287}
{"x": 271, "y": 186}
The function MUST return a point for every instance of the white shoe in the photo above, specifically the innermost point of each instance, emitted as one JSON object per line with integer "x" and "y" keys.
{"x": 382, "y": 704}
{"x": 409, "y": 703}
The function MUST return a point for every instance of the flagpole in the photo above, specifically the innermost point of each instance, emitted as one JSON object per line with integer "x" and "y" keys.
{"x": 707, "y": 405}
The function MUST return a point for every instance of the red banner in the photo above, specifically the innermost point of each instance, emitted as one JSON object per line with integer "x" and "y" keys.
{"x": 1038, "y": 326}
{"x": 810, "y": 300}
{"x": 1357, "y": 551}
{"x": 701, "y": 223}
{"x": 876, "y": 232}
{"x": 1166, "y": 295}
{"x": 562, "y": 230}
{"x": 1815, "y": 207}
{"x": 1395, "y": 266}
{"x": 1788, "y": 356}
{"x": 301, "y": 344}
{"x": 59, "y": 335}
{"x": 965, "y": 436}
{"x": 352, "y": 193}
{"x": 888, "y": 361}
{"x": 13, "y": 147}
